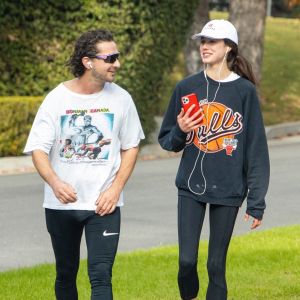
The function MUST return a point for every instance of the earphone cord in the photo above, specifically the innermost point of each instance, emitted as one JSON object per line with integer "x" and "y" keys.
{"x": 205, "y": 149}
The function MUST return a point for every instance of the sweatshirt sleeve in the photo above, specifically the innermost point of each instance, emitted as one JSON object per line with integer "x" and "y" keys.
{"x": 257, "y": 158}
{"x": 171, "y": 137}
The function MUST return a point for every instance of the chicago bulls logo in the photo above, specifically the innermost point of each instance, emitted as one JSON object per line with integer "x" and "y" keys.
{"x": 219, "y": 127}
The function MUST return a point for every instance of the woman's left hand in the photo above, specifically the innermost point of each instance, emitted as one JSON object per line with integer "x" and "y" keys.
{"x": 255, "y": 222}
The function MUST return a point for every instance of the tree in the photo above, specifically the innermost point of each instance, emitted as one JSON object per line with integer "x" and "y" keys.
{"x": 249, "y": 18}
{"x": 191, "y": 51}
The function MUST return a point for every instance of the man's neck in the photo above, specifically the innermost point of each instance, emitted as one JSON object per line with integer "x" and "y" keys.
{"x": 84, "y": 85}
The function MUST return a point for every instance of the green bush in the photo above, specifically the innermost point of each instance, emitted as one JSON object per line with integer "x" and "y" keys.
{"x": 37, "y": 38}
{"x": 16, "y": 117}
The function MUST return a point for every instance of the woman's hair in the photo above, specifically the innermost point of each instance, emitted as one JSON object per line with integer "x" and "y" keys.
{"x": 238, "y": 64}
{"x": 86, "y": 46}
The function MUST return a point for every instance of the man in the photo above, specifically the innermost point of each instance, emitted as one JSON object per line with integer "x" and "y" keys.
{"x": 88, "y": 129}
{"x": 86, "y": 192}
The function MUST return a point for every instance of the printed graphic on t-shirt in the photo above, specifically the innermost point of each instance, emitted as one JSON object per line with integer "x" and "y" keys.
{"x": 86, "y": 135}
{"x": 218, "y": 129}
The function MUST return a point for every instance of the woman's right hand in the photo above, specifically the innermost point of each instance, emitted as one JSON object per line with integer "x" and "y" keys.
{"x": 188, "y": 122}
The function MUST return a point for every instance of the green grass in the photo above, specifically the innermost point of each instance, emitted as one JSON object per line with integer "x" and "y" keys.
{"x": 280, "y": 85}
{"x": 262, "y": 265}
{"x": 281, "y": 71}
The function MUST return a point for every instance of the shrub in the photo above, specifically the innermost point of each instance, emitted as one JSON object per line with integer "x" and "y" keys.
{"x": 16, "y": 117}
{"x": 37, "y": 38}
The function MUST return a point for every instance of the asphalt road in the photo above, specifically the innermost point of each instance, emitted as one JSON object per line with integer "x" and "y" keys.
{"x": 149, "y": 214}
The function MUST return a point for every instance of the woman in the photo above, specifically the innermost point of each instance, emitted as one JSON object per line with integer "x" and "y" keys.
{"x": 225, "y": 155}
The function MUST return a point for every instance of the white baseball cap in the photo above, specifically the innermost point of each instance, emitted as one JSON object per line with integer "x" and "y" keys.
{"x": 218, "y": 30}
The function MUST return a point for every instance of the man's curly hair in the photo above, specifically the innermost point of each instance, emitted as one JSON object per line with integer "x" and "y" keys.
{"x": 86, "y": 46}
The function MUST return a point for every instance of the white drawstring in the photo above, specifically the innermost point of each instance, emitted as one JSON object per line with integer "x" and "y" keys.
{"x": 205, "y": 150}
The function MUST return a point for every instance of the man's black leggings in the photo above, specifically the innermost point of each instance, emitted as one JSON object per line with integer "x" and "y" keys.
{"x": 102, "y": 237}
{"x": 190, "y": 220}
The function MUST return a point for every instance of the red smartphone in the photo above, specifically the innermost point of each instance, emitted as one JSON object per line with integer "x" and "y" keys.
{"x": 188, "y": 100}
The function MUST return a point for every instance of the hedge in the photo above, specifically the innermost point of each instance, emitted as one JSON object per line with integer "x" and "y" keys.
{"x": 37, "y": 38}
{"x": 16, "y": 117}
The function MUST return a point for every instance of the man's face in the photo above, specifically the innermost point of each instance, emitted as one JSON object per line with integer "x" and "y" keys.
{"x": 101, "y": 70}
{"x": 87, "y": 121}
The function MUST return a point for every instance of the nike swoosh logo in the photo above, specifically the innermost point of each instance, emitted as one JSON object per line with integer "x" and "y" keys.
{"x": 109, "y": 233}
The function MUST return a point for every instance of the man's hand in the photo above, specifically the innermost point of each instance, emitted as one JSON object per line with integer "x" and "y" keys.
{"x": 107, "y": 201}
{"x": 189, "y": 122}
{"x": 64, "y": 192}
{"x": 255, "y": 222}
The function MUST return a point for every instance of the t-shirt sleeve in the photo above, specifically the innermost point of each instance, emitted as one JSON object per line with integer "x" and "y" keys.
{"x": 42, "y": 133}
{"x": 131, "y": 131}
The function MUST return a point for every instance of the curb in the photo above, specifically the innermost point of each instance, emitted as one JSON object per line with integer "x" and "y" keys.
{"x": 282, "y": 130}
{"x": 23, "y": 164}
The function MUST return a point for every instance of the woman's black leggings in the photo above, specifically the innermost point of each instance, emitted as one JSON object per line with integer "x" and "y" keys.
{"x": 102, "y": 237}
{"x": 190, "y": 220}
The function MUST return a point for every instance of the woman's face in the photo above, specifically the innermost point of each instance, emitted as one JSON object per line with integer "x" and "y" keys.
{"x": 213, "y": 51}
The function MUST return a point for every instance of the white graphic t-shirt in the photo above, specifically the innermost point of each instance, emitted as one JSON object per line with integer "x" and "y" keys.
{"x": 83, "y": 135}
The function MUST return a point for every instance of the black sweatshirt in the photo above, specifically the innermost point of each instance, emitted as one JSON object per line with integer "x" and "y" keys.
{"x": 236, "y": 161}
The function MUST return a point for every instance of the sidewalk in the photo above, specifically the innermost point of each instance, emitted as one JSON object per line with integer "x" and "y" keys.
{"x": 23, "y": 164}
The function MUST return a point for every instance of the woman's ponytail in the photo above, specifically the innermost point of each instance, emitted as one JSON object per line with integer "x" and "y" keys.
{"x": 238, "y": 64}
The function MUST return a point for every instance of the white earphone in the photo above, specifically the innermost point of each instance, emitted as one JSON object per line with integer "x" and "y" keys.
{"x": 227, "y": 50}
{"x": 90, "y": 65}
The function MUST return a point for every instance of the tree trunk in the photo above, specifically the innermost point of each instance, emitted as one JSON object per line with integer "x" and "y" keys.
{"x": 249, "y": 18}
{"x": 191, "y": 52}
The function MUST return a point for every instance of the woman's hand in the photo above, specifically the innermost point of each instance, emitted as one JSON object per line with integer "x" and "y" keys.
{"x": 188, "y": 122}
{"x": 255, "y": 222}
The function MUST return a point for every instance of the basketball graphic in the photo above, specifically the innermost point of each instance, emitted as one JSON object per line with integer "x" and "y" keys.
{"x": 219, "y": 124}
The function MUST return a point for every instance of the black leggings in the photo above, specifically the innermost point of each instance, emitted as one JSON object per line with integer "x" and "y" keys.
{"x": 190, "y": 220}
{"x": 102, "y": 237}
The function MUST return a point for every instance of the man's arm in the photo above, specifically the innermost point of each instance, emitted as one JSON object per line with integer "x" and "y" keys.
{"x": 107, "y": 201}
{"x": 63, "y": 191}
